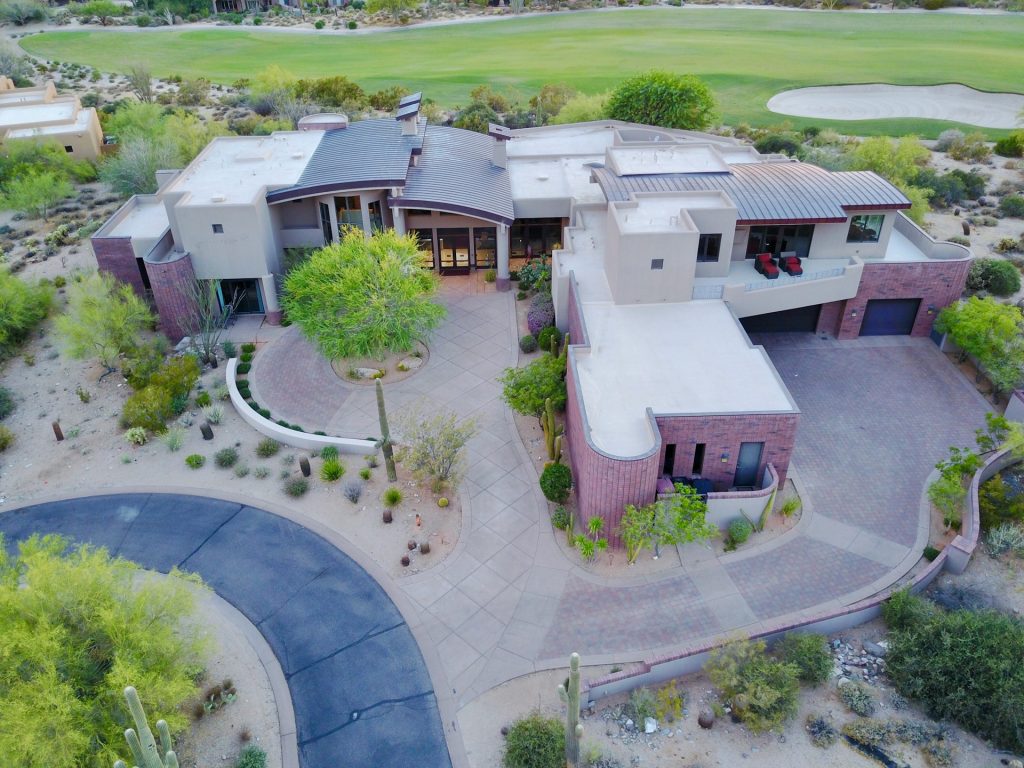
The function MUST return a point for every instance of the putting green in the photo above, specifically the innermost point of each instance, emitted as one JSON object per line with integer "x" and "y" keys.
{"x": 747, "y": 56}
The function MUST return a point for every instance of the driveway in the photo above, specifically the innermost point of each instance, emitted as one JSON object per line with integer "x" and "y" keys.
{"x": 358, "y": 683}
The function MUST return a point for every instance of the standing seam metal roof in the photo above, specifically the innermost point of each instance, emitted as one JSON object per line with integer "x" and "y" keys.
{"x": 456, "y": 173}
{"x": 767, "y": 192}
{"x": 366, "y": 154}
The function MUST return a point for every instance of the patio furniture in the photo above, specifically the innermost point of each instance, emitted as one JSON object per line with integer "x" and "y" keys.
{"x": 789, "y": 263}
{"x": 765, "y": 264}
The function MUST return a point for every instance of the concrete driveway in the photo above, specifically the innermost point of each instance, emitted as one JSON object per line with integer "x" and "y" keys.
{"x": 358, "y": 683}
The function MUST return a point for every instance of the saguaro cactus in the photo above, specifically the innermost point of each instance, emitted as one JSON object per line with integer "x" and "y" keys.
{"x": 144, "y": 750}
{"x": 551, "y": 429}
{"x": 573, "y": 729}
{"x": 385, "y": 436}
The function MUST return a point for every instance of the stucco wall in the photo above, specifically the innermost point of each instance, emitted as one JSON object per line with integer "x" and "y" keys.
{"x": 247, "y": 248}
{"x": 116, "y": 256}
{"x": 168, "y": 279}
{"x": 829, "y": 241}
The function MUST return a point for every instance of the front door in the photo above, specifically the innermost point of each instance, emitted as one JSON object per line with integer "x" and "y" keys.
{"x": 748, "y": 464}
{"x": 453, "y": 251}
{"x": 245, "y": 294}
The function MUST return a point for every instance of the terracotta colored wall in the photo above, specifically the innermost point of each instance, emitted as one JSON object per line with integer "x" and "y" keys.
{"x": 828, "y": 319}
{"x": 169, "y": 280}
{"x": 723, "y": 435}
{"x": 115, "y": 255}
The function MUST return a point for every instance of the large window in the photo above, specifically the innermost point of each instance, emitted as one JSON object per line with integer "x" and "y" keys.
{"x": 426, "y": 243}
{"x": 534, "y": 237}
{"x": 325, "y": 223}
{"x": 775, "y": 240}
{"x": 349, "y": 211}
{"x": 865, "y": 228}
{"x": 708, "y": 246}
{"x": 485, "y": 247}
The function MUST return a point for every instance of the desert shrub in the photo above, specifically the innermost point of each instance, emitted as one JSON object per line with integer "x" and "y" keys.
{"x": 435, "y": 445}
{"x": 641, "y": 705}
{"x": 821, "y": 731}
{"x": 997, "y": 505}
{"x": 195, "y": 460}
{"x": 761, "y": 690}
{"x": 136, "y": 436}
{"x": 959, "y": 240}
{"x": 366, "y": 473}
{"x": 296, "y": 486}
{"x": 947, "y": 139}
{"x": 556, "y": 482}
{"x": 739, "y": 531}
{"x": 971, "y": 148}
{"x": 996, "y": 276}
{"x": 6, "y": 438}
{"x": 1012, "y": 205}
{"x": 392, "y": 497}
{"x": 203, "y": 399}
{"x": 1012, "y": 145}
{"x": 329, "y": 452}
{"x": 248, "y": 347}
{"x": 174, "y": 438}
{"x": 243, "y": 368}
{"x": 857, "y": 698}
{"x": 541, "y": 313}
{"x": 353, "y": 490}
{"x": 525, "y": 389}
{"x": 1007, "y": 537}
{"x": 546, "y": 335}
{"x": 6, "y": 402}
{"x": 261, "y": 472}
{"x": 319, "y": 24}
{"x": 809, "y": 653}
{"x": 560, "y": 518}
{"x": 178, "y": 375}
{"x": 267, "y": 447}
{"x": 331, "y": 470}
{"x": 779, "y": 143}
{"x": 213, "y": 414}
{"x": 241, "y": 470}
{"x": 528, "y": 343}
{"x": 149, "y": 408}
{"x": 386, "y": 99}
{"x": 352, "y": 25}
{"x": 226, "y": 458}
{"x": 870, "y": 732}
{"x": 24, "y": 307}
{"x": 252, "y": 757}
{"x": 535, "y": 741}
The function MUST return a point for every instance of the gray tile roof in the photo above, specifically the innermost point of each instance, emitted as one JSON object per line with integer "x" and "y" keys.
{"x": 366, "y": 154}
{"x": 770, "y": 192}
{"x": 456, "y": 174}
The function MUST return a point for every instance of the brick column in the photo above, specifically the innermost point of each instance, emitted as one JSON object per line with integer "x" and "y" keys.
{"x": 115, "y": 256}
{"x": 170, "y": 280}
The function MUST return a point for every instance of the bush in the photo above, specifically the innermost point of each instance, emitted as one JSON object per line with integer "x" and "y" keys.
{"x": 226, "y": 458}
{"x": 352, "y": 24}
{"x": 739, "y": 531}
{"x": 195, "y": 460}
{"x": 174, "y": 438}
{"x": 252, "y": 757}
{"x": 525, "y": 389}
{"x": 136, "y": 436}
{"x": 556, "y": 482}
{"x": 1012, "y": 205}
{"x": 857, "y": 698}
{"x": 528, "y": 343}
{"x": 996, "y": 276}
{"x": 296, "y": 487}
{"x": 869, "y": 732}
{"x": 535, "y": 741}
{"x": 970, "y": 149}
{"x": 560, "y": 518}
{"x": 149, "y": 408}
{"x": 1008, "y": 537}
{"x": 821, "y": 731}
{"x": 6, "y": 402}
{"x": 243, "y": 368}
{"x": 761, "y": 691}
{"x": 392, "y": 497}
{"x": 267, "y": 447}
{"x": 947, "y": 139}
{"x": 6, "y": 438}
{"x": 997, "y": 504}
{"x": 1012, "y": 145}
{"x": 779, "y": 143}
{"x": 353, "y": 490}
{"x": 331, "y": 470}
{"x": 964, "y": 666}
{"x": 24, "y": 307}
{"x": 203, "y": 399}
{"x": 319, "y": 24}
{"x": 248, "y": 347}
{"x": 665, "y": 99}
{"x": 213, "y": 413}
{"x": 809, "y": 653}
{"x": 545, "y": 336}
{"x": 490, "y": 276}
{"x": 329, "y": 452}
{"x": 366, "y": 473}
{"x": 21, "y": 12}
{"x": 541, "y": 314}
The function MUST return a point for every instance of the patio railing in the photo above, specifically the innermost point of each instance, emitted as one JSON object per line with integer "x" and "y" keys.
{"x": 781, "y": 280}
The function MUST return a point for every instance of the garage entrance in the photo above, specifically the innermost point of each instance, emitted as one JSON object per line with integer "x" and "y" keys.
{"x": 799, "y": 320}
{"x": 890, "y": 317}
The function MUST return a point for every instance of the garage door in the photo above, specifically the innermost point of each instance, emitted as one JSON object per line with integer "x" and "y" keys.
{"x": 890, "y": 317}
{"x": 800, "y": 320}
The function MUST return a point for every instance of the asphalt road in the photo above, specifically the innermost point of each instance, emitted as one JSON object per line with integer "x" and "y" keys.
{"x": 359, "y": 686}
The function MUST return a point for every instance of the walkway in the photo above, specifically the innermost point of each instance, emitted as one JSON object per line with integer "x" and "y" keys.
{"x": 876, "y": 417}
{"x": 358, "y": 683}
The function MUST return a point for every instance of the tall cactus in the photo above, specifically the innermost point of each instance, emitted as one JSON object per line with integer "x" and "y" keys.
{"x": 144, "y": 750}
{"x": 563, "y": 355}
{"x": 573, "y": 729}
{"x": 385, "y": 439}
{"x": 551, "y": 429}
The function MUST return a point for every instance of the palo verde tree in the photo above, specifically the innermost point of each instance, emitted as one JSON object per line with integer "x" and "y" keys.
{"x": 77, "y": 627}
{"x": 679, "y": 519}
{"x": 436, "y": 440}
{"x": 665, "y": 99}
{"x": 991, "y": 333}
{"x": 364, "y": 297}
{"x": 103, "y": 319}
{"x": 35, "y": 193}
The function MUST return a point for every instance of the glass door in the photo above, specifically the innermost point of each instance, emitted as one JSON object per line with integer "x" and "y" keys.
{"x": 426, "y": 243}
{"x": 453, "y": 251}
{"x": 748, "y": 464}
{"x": 376, "y": 219}
{"x": 485, "y": 247}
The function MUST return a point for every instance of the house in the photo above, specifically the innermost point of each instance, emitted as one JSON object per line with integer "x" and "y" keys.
{"x": 667, "y": 248}
{"x": 38, "y": 113}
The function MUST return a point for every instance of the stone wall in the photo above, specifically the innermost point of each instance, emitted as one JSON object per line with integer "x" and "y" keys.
{"x": 170, "y": 280}
{"x": 115, "y": 256}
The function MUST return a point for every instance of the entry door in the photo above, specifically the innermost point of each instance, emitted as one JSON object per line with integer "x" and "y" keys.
{"x": 890, "y": 317}
{"x": 246, "y": 294}
{"x": 748, "y": 464}
{"x": 453, "y": 251}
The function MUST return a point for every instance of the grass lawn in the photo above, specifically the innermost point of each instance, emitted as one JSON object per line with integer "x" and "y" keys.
{"x": 745, "y": 55}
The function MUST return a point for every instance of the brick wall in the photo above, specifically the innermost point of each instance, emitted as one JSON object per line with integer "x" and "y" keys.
{"x": 936, "y": 283}
{"x": 169, "y": 280}
{"x": 115, "y": 256}
{"x": 723, "y": 435}
{"x": 828, "y": 319}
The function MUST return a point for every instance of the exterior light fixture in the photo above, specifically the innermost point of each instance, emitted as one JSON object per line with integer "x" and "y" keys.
{"x": 853, "y": 313}
{"x": 725, "y": 458}
{"x": 931, "y": 309}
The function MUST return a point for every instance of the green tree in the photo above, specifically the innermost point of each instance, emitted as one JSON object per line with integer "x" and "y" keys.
{"x": 21, "y": 12}
{"x": 77, "y": 627}
{"x": 900, "y": 162}
{"x": 525, "y": 389}
{"x": 550, "y": 100}
{"x": 22, "y": 307}
{"x": 364, "y": 297}
{"x": 189, "y": 135}
{"x": 104, "y": 10}
{"x": 136, "y": 120}
{"x": 582, "y": 108}
{"x": 679, "y": 519}
{"x": 476, "y": 117}
{"x": 436, "y": 445}
{"x": 395, "y": 7}
{"x": 132, "y": 171}
{"x": 336, "y": 91}
{"x": 22, "y": 157}
{"x": 665, "y": 99}
{"x": 761, "y": 691}
{"x": 991, "y": 333}
{"x": 103, "y": 319}
{"x": 35, "y": 193}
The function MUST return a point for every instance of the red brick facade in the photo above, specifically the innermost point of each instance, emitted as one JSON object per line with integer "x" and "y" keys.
{"x": 116, "y": 256}
{"x": 169, "y": 281}
{"x": 937, "y": 283}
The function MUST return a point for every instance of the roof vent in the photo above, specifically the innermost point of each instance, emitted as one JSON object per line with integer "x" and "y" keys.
{"x": 324, "y": 121}
{"x": 218, "y": 198}
{"x": 297, "y": 155}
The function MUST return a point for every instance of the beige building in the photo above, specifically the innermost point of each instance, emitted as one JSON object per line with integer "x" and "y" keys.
{"x": 38, "y": 113}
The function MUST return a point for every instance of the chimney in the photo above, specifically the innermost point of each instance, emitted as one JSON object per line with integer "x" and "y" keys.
{"x": 500, "y": 134}
{"x": 408, "y": 113}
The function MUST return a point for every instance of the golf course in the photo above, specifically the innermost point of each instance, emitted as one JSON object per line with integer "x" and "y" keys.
{"x": 746, "y": 56}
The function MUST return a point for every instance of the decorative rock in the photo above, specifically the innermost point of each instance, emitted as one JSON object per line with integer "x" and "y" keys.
{"x": 405, "y": 560}
{"x": 388, "y": 516}
{"x": 411, "y": 363}
{"x": 424, "y": 547}
{"x": 411, "y": 544}
{"x": 368, "y": 373}
{"x": 628, "y": 724}
{"x": 650, "y": 725}
{"x": 706, "y": 719}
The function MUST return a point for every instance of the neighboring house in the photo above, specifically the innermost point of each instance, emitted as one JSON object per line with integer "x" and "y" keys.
{"x": 655, "y": 237}
{"x": 38, "y": 113}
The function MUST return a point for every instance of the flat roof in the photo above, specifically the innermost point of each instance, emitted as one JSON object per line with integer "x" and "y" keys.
{"x": 80, "y": 123}
{"x": 44, "y": 112}
{"x": 235, "y": 169}
{"x": 146, "y": 218}
{"x": 666, "y": 158}
{"x": 654, "y": 214}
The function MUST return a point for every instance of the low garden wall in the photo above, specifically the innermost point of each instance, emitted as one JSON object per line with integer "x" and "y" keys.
{"x": 287, "y": 436}
{"x": 726, "y": 506}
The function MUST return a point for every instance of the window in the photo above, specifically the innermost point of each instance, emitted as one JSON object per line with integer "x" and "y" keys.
{"x": 657, "y": 263}
{"x": 218, "y": 229}
{"x": 417, "y": 212}
{"x": 68, "y": 148}
{"x": 698, "y": 458}
{"x": 775, "y": 240}
{"x": 485, "y": 246}
{"x": 865, "y": 228}
{"x": 669, "y": 465}
{"x": 707, "y": 247}
{"x": 325, "y": 223}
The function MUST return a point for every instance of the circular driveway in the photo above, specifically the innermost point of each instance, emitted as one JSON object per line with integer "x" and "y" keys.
{"x": 359, "y": 686}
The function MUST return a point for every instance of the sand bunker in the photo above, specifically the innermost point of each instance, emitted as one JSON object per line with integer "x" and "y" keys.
{"x": 874, "y": 102}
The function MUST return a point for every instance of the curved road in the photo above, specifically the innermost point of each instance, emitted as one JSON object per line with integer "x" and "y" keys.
{"x": 359, "y": 685}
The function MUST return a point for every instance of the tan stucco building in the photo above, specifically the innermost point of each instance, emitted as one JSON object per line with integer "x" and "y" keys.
{"x": 38, "y": 113}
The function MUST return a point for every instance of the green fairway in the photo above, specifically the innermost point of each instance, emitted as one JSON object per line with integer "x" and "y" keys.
{"x": 745, "y": 55}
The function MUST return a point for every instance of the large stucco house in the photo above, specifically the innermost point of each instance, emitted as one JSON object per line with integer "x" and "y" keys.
{"x": 39, "y": 113}
{"x": 667, "y": 247}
